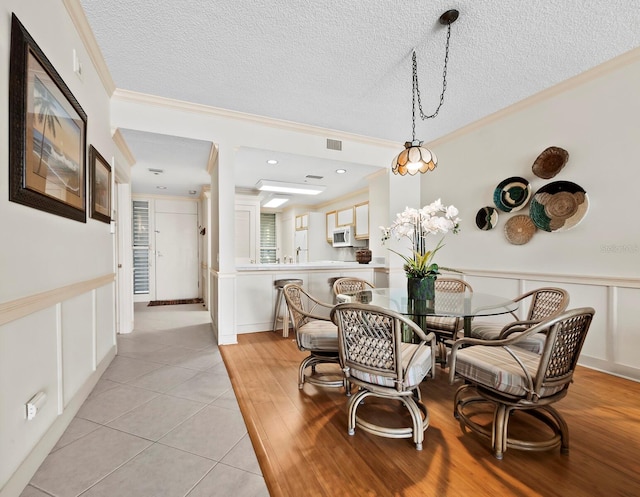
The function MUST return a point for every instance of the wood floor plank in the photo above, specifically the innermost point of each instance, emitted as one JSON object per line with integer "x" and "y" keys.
{"x": 301, "y": 439}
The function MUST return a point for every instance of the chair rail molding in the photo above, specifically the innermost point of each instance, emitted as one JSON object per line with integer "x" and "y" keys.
{"x": 19, "y": 308}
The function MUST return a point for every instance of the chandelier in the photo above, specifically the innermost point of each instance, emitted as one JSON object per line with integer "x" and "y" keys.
{"x": 415, "y": 157}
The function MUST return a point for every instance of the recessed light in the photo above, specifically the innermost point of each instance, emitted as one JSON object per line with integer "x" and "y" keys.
{"x": 161, "y": 187}
{"x": 341, "y": 171}
{"x": 272, "y": 162}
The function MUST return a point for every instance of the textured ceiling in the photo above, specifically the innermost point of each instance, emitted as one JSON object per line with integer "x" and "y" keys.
{"x": 346, "y": 65}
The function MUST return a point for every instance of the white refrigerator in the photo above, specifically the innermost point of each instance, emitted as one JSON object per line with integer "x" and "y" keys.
{"x": 301, "y": 246}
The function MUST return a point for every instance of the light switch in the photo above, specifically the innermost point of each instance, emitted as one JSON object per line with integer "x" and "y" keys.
{"x": 77, "y": 65}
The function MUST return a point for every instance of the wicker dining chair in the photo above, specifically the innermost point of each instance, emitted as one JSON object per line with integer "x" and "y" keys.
{"x": 446, "y": 328}
{"x": 350, "y": 285}
{"x": 375, "y": 359}
{"x": 510, "y": 378}
{"x": 545, "y": 303}
{"x": 315, "y": 333}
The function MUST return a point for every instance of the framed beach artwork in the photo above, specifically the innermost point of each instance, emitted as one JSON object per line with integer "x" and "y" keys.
{"x": 47, "y": 133}
{"x": 99, "y": 186}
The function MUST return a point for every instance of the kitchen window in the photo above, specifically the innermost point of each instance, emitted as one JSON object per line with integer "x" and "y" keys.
{"x": 268, "y": 241}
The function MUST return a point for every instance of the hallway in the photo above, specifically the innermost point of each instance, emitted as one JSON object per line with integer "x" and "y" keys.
{"x": 162, "y": 420}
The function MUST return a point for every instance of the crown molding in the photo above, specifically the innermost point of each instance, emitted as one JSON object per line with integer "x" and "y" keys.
{"x": 123, "y": 171}
{"x": 169, "y": 103}
{"x": 145, "y": 196}
{"x": 213, "y": 158}
{"x": 121, "y": 143}
{"x": 79, "y": 19}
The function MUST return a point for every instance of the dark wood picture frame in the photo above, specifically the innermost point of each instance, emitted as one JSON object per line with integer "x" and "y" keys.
{"x": 99, "y": 186}
{"x": 47, "y": 133}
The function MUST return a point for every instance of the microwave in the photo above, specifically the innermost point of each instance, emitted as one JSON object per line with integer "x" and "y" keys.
{"x": 345, "y": 236}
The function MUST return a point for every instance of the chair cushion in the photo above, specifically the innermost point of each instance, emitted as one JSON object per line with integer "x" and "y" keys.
{"x": 413, "y": 376}
{"x": 495, "y": 368}
{"x": 319, "y": 335}
{"x": 490, "y": 331}
{"x": 449, "y": 325}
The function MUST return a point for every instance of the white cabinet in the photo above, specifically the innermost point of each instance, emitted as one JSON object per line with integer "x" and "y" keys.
{"x": 345, "y": 217}
{"x": 302, "y": 222}
{"x": 247, "y": 229}
{"x": 362, "y": 221}
{"x": 331, "y": 225}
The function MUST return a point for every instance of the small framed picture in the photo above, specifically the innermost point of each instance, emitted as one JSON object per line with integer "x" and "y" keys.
{"x": 99, "y": 186}
{"x": 47, "y": 133}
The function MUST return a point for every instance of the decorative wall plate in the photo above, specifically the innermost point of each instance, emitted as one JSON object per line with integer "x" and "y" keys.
{"x": 519, "y": 229}
{"x": 550, "y": 162}
{"x": 487, "y": 218}
{"x": 559, "y": 206}
{"x": 512, "y": 194}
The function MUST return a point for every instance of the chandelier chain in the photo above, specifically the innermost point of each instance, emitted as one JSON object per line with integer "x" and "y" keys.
{"x": 416, "y": 88}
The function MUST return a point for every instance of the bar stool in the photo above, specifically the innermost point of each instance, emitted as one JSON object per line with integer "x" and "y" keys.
{"x": 279, "y": 285}
{"x": 331, "y": 281}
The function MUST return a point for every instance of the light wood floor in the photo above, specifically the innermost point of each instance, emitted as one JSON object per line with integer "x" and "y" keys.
{"x": 301, "y": 439}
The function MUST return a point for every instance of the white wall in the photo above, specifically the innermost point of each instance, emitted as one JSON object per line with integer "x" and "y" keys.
{"x": 595, "y": 118}
{"x": 57, "y": 277}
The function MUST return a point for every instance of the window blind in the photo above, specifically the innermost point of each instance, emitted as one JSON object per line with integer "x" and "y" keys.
{"x": 140, "y": 247}
{"x": 268, "y": 241}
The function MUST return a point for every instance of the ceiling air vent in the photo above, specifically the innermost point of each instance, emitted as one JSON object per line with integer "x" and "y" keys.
{"x": 334, "y": 144}
{"x": 155, "y": 171}
{"x": 311, "y": 176}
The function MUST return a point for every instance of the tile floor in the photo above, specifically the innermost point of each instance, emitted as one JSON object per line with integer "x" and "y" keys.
{"x": 162, "y": 420}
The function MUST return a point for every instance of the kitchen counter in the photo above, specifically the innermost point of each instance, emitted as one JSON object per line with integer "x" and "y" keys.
{"x": 256, "y": 294}
{"x": 304, "y": 266}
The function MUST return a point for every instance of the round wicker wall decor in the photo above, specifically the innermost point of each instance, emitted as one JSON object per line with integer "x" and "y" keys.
{"x": 512, "y": 194}
{"x": 550, "y": 162}
{"x": 519, "y": 229}
{"x": 559, "y": 206}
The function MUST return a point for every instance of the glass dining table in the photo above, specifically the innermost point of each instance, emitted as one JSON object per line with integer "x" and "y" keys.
{"x": 445, "y": 304}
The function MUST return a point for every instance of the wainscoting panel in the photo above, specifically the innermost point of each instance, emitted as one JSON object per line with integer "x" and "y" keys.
{"x": 104, "y": 321}
{"x": 57, "y": 342}
{"x": 28, "y": 365}
{"x": 626, "y": 335}
{"x": 614, "y": 336}
{"x": 77, "y": 343}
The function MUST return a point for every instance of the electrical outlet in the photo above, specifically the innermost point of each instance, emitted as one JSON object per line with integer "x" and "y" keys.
{"x": 34, "y": 404}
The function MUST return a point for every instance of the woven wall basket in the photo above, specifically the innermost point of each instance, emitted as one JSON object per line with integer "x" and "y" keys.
{"x": 487, "y": 218}
{"x": 559, "y": 206}
{"x": 512, "y": 194}
{"x": 550, "y": 162}
{"x": 519, "y": 229}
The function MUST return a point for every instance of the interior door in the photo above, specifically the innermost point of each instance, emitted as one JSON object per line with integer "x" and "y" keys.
{"x": 176, "y": 256}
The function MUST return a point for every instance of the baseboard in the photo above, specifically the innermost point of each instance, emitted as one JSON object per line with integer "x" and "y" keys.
{"x": 626, "y": 372}
{"x": 22, "y": 476}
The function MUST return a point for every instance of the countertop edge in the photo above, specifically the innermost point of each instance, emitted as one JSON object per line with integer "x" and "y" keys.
{"x": 306, "y": 267}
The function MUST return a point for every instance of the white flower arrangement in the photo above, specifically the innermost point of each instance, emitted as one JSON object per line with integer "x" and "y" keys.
{"x": 416, "y": 224}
